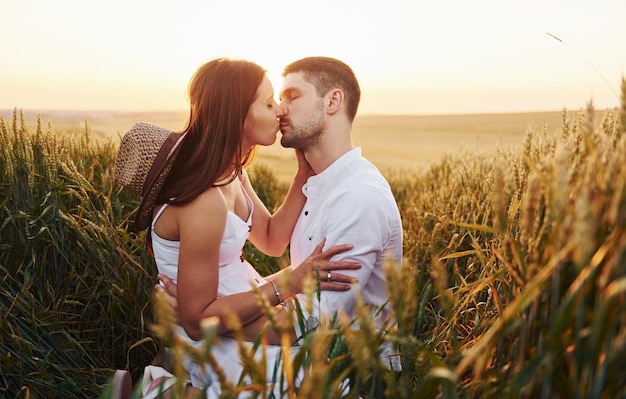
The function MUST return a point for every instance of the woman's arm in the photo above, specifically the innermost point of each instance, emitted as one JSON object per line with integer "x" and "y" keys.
{"x": 196, "y": 291}
{"x": 201, "y": 226}
{"x": 271, "y": 233}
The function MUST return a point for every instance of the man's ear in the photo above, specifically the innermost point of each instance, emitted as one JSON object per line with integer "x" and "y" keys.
{"x": 335, "y": 101}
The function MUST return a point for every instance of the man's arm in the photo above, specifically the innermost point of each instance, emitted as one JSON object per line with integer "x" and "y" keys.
{"x": 358, "y": 217}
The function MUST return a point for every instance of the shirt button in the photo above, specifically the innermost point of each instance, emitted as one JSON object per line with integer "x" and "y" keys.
{"x": 306, "y": 213}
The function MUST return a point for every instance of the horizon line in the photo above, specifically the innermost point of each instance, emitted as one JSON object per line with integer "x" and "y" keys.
{"x": 157, "y": 111}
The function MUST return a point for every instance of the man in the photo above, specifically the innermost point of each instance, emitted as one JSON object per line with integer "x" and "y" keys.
{"x": 348, "y": 200}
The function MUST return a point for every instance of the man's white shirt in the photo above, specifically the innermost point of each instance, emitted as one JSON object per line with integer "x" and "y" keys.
{"x": 350, "y": 202}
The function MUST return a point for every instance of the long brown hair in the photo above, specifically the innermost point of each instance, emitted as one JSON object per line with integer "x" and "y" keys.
{"x": 220, "y": 94}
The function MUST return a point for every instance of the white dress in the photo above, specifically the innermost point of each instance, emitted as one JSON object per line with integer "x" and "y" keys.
{"x": 235, "y": 275}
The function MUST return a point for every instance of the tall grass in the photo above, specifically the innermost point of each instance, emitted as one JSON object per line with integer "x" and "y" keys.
{"x": 75, "y": 283}
{"x": 513, "y": 283}
{"x": 521, "y": 264}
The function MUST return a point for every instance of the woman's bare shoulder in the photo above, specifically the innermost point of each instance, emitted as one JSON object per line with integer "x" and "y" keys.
{"x": 211, "y": 200}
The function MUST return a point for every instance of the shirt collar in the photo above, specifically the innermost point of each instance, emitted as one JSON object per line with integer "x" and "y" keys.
{"x": 330, "y": 176}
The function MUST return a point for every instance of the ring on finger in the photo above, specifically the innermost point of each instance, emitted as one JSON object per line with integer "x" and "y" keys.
{"x": 329, "y": 277}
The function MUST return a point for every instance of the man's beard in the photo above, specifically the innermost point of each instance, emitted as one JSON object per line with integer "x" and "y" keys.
{"x": 307, "y": 134}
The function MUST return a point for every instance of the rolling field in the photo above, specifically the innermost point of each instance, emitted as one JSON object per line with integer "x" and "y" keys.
{"x": 392, "y": 142}
{"x": 512, "y": 283}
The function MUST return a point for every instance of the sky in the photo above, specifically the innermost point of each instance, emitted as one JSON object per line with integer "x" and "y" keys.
{"x": 411, "y": 57}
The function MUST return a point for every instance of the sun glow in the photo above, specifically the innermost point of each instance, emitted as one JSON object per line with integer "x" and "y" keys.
{"x": 410, "y": 57}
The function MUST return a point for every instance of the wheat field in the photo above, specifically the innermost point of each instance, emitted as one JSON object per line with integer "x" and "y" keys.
{"x": 512, "y": 283}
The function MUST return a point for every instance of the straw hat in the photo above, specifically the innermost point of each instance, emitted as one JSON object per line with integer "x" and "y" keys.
{"x": 144, "y": 159}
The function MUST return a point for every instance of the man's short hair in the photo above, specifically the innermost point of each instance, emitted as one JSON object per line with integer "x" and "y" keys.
{"x": 326, "y": 74}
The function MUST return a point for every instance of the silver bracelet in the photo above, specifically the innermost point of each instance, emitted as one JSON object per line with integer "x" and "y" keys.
{"x": 280, "y": 298}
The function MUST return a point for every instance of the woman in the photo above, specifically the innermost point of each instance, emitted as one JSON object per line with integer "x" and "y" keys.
{"x": 203, "y": 208}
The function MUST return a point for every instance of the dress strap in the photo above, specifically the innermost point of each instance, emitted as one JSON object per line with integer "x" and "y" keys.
{"x": 156, "y": 217}
{"x": 248, "y": 201}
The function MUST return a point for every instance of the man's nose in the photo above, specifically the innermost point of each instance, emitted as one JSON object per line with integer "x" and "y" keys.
{"x": 281, "y": 110}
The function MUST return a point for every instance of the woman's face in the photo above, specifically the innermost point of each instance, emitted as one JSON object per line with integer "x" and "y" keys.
{"x": 262, "y": 121}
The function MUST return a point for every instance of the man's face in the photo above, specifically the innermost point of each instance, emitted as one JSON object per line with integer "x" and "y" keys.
{"x": 303, "y": 121}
